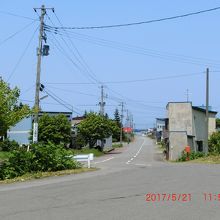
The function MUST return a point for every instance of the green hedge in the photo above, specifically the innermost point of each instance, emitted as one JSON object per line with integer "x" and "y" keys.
{"x": 40, "y": 158}
{"x": 8, "y": 145}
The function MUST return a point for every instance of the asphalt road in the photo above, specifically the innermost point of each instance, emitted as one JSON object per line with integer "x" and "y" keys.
{"x": 118, "y": 190}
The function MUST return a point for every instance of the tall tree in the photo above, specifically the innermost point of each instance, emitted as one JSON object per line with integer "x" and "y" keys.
{"x": 11, "y": 110}
{"x": 55, "y": 129}
{"x": 117, "y": 117}
{"x": 95, "y": 127}
{"x": 117, "y": 120}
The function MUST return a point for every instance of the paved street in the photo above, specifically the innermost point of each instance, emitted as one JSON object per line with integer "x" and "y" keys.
{"x": 117, "y": 190}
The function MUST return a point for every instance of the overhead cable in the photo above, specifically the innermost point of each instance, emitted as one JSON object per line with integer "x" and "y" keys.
{"x": 16, "y": 15}
{"x": 143, "y": 22}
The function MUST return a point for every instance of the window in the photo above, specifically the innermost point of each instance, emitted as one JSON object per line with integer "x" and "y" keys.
{"x": 200, "y": 146}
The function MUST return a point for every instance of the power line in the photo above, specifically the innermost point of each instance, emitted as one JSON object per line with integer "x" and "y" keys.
{"x": 17, "y": 32}
{"x": 22, "y": 55}
{"x": 136, "y": 49}
{"x": 143, "y": 22}
{"x": 59, "y": 100}
{"x": 72, "y": 91}
{"x": 130, "y": 81}
{"x": 16, "y": 15}
{"x": 84, "y": 67}
{"x": 81, "y": 59}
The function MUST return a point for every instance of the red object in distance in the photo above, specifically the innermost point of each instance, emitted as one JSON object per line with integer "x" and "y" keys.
{"x": 127, "y": 129}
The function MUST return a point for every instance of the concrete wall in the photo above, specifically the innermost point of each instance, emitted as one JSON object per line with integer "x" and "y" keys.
{"x": 212, "y": 123}
{"x": 178, "y": 141}
{"x": 180, "y": 117}
{"x": 180, "y": 125}
{"x": 199, "y": 122}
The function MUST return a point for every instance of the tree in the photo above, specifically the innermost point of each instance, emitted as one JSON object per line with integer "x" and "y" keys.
{"x": 117, "y": 117}
{"x": 117, "y": 120}
{"x": 11, "y": 111}
{"x": 217, "y": 123}
{"x": 214, "y": 142}
{"x": 54, "y": 129}
{"x": 116, "y": 130}
{"x": 95, "y": 127}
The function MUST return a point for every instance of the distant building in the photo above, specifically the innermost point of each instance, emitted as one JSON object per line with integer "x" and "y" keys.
{"x": 187, "y": 126}
{"x": 160, "y": 125}
{"x": 22, "y": 130}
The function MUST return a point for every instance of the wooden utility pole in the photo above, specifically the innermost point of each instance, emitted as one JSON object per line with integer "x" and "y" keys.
{"x": 102, "y": 103}
{"x": 39, "y": 55}
{"x": 207, "y": 110}
{"x": 37, "y": 92}
{"x": 122, "y": 116}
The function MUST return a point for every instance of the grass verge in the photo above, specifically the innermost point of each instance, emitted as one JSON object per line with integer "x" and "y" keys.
{"x": 211, "y": 159}
{"x": 96, "y": 152}
{"x": 117, "y": 145}
{"x": 40, "y": 175}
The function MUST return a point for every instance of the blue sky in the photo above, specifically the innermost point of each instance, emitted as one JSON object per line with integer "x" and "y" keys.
{"x": 153, "y": 51}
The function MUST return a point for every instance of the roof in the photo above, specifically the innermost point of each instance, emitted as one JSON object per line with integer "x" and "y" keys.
{"x": 198, "y": 108}
{"x": 202, "y": 109}
{"x": 178, "y": 103}
{"x": 162, "y": 119}
{"x": 49, "y": 112}
{"x": 79, "y": 118}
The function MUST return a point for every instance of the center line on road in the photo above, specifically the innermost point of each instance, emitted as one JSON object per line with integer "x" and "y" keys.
{"x": 132, "y": 158}
{"x": 104, "y": 160}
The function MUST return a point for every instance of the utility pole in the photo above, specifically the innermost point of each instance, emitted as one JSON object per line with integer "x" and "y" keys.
{"x": 39, "y": 55}
{"x": 122, "y": 116}
{"x": 102, "y": 103}
{"x": 187, "y": 95}
{"x": 127, "y": 120}
{"x": 207, "y": 110}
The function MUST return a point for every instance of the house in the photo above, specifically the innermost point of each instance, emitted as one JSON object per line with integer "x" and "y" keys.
{"x": 160, "y": 125}
{"x": 187, "y": 127}
{"x": 77, "y": 120}
{"x": 22, "y": 130}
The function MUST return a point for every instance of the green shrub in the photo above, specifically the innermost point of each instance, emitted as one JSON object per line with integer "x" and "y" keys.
{"x": 196, "y": 155}
{"x": 214, "y": 143}
{"x": 8, "y": 145}
{"x": 192, "y": 156}
{"x": 52, "y": 158}
{"x": 40, "y": 158}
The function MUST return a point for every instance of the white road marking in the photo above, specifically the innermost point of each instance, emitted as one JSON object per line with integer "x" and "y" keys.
{"x": 132, "y": 158}
{"x": 142, "y": 164}
{"x": 104, "y": 160}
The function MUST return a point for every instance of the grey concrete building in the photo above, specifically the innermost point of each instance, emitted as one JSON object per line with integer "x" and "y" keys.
{"x": 187, "y": 127}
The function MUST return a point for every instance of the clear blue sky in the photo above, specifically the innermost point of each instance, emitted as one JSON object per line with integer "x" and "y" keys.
{"x": 175, "y": 47}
